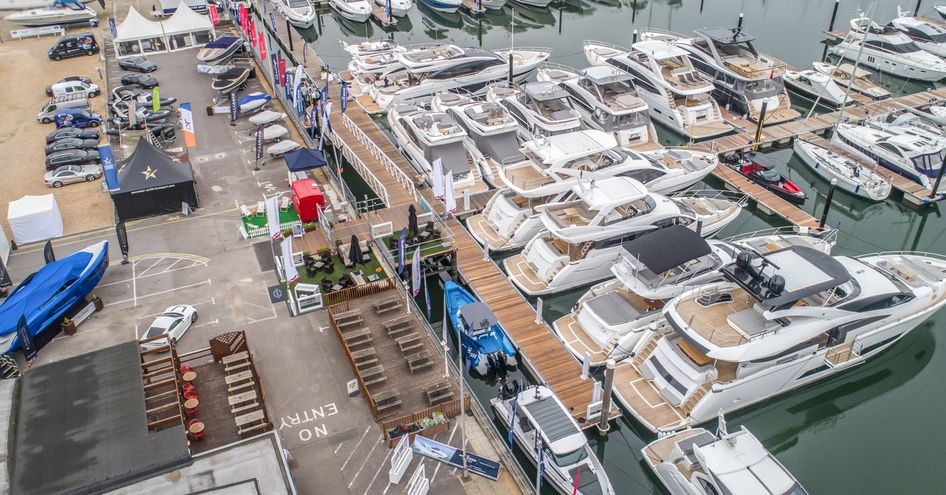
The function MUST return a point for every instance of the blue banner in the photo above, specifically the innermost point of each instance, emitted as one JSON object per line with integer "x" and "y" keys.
{"x": 275, "y": 61}
{"x": 112, "y": 28}
{"x": 313, "y": 118}
{"x": 453, "y": 456}
{"x": 324, "y": 94}
{"x": 289, "y": 77}
{"x": 234, "y": 107}
{"x": 272, "y": 20}
{"x": 344, "y": 97}
{"x": 108, "y": 167}
{"x": 300, "y": 104}
{"x": 25, "y": 339}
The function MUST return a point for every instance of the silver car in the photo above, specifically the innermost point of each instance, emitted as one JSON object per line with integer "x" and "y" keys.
{"x": 67, "y": 174}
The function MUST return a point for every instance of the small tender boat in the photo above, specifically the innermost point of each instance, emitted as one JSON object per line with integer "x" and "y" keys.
{"x": 274, "y": 132}
{"x": 253, "y": 102}
{"x": 485, "y": 349}
{"x": 231, "y": 79}
{"x": 52, "y": 16}
{"x": 44, "y": 297}
{"x": 219, "y": 50}
{"x": 32, "y": 4}
{"x": 281, "y": 148}
{"x": 852, "y": 176}
{"x": 759, "y": 169}
{"x": 299, "y": 13}
{"x": 266, "y": 117}
{"x": 399, "y": 8}
{"x": 816, "y": 86}
{"x": 353, "y": 10}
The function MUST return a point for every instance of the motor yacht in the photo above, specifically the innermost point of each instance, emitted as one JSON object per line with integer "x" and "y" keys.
{"x": 51, "y": 16}
{"x": 609, "y": 319}
{"x": 372, "y": 56}
{"x": 584, "y": 235}
{"x": 30, "y": 4}
{"x": 744, "y": 78}
{"x": 299, "y": 13}
{"x": 890, "y": 51}
{"x": 778, "y": 321}
{"x": 448, "y": 6}
{"x": 440, "y": 68}
{"x": 366, "y": 48}
{"x": 677, "y": 95}
{"x": 912, "y": 152}
{"x": 926, "y": 34}
{"x": 353, "y": 10}
{"x": 852, "y": 175}
{"x": 426, "y": 136}
{"x": 542, "y": 108}
{"x": 553, "y": 166}
{"x": 607, "y": 100}
{"x": 399, "y": 8}
{"x": 696, "y": 462}
{"x": 544, "y": 429}
{"x": 219, "y": 51}
{"x": 816, "y": 86}
{"x": 845, "y": 75}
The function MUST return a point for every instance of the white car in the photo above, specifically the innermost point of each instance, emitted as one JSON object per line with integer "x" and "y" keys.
{"x": 68, "y": 174}
{"x": 174, "y": 321}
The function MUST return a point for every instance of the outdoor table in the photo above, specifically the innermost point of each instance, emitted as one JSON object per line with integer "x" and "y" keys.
{"x": 191, "y": 403}
{"x": 189, "y": 376}
{"x": 244, "y": 397}
{"x": 358, "y": 279}
{"x": 196, "y": 427}
{"x": 318, "y": 265}
{"x": 337, "y": 287}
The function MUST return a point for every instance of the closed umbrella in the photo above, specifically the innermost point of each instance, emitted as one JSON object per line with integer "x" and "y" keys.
{"x": 412, "y": 220}
{"x": 354, "y": 251}
{"x": 48, "y": 253}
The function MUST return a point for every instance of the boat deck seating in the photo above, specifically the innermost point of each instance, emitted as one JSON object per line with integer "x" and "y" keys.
{"x": 419, "y": 361}
{"x": 693, "y": 353}
{"x": 750, "y": 322}
{"x": 438, "y": 393}
{"x": 388, "y": 305}
{"x": 409, "y": 343}
{"x": 358, "y": 337}
{"x": 386, "y": 400}
{"x": 398, "y": 326}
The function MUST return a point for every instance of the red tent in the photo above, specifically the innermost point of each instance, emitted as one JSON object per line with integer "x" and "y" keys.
{"x": 306, "y": 199}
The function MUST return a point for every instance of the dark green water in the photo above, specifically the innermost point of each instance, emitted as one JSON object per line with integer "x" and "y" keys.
{"x": 874, "y": 430}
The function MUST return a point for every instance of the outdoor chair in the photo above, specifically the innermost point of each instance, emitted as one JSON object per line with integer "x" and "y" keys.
{"x": 260, "y": 209}
{"x": 326, "y": 285}
{"x": 245, "y": 212}
{"x": 284, "y": 203}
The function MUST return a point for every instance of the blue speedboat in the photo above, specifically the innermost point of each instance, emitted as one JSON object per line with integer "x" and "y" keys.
{"x": 45, "y": 296}
{"x": 485, "y": 349}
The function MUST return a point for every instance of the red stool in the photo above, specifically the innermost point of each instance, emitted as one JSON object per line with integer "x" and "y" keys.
{"x": 187, "y": 387}
{"x": 185, "y": 368}
{"x": 191, "y": 394}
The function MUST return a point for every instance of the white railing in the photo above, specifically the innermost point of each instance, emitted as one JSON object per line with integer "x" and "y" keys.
{"x": 376, "y": 185}
{"x": 402, "y": 178}
{"x": 606, "y": 45}
{"x": 40, "y": 31}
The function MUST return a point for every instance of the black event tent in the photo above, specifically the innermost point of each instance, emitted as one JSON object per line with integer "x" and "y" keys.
{"x": 152, "y": 183}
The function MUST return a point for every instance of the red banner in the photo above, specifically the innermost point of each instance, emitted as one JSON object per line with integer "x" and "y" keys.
{"x": 212, "y": 10}
{"x": 262, "y": 46}
{"x": 251, "y": 31}
{"x": 243, "y": 16}
{"x": 282, "y": 72}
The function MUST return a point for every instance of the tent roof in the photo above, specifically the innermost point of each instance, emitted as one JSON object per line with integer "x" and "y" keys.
{"x": 304, "y": 159}
{"x": 149, "y": 168}
{"x": 136, "y": 27}
{"x": 31, "y": 205}
{"x": 185, "y": 20}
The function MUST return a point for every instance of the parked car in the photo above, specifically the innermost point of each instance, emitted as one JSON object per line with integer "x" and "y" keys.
{"x": 74, "y": 45}
{"x": 71, "y": 157}
{"x": 69, "y": 174}
{"x": 74, "y": 117}
{"x": 87, "y": 80}
{"x": 87, "y": 90}
{"x": 137, "y": 64}
{"x": 140, "y": 80}
{"x": 71, "y": 144}
{"x": 72, "y": 132}
{"x": 48, "y": 112}
{"x": 173, "y": 322}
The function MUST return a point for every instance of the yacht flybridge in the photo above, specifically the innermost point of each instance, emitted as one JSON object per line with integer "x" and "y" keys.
{"x": 777, "y": 322}
{"x": 846, "y": 75}
{"x": 744, "y": 78}
{"x": 607, "y": 100}
{"x": 888, "y": 50}
{"x": 609, "y": 319}
{"x": 585, "y": 234}
{"x": 927, "y": 35}
{"x": 677, "y": 95}
{"x": 542, "y": 108}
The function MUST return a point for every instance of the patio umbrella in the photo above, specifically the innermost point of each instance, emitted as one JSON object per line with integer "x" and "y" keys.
{"x": 354, "y": 251}
{"x": 450, "y": 203}
{"x": 437, "y": 179}
{"x": 412, "y": 220}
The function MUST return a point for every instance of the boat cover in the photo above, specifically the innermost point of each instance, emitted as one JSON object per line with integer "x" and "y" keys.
{"x": 223, "y": 42}
{"x": 667, "y": 248}
{"x": 254, "y": 97}
{"x": 37, "y": 290}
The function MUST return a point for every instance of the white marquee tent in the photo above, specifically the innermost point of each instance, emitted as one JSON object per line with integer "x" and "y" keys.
{"x": 34, "y": 218}
{"x": 140, "y": 36}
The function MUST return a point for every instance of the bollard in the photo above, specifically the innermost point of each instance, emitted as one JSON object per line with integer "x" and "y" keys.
{"x": 834, "y": 15}
{"x": 603, "y": 425}
{"x": 827, "y": 204}
{"x": 510, "y": 68}
{"x": 758, "y": 128}
{"x": 701, "y": 6}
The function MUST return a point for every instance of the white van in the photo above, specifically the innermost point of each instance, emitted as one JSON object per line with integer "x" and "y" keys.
{"x": 66, "y": 88}
{"x": 48, "y": 112}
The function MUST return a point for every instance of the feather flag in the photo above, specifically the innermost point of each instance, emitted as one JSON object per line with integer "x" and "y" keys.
{"x": 450, "y": 203}
{"x": 272, "y": 217}
{"x": 401, "y": 251}
{"x": 437, "y": 179}
{"x": 344, "y": 97}
{"x": 289, "y": 266}
{"x": 415, "y": 273}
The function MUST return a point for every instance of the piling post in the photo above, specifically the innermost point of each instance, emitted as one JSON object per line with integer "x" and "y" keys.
{"x": 603, "y": 425}
{"x": 939, "y": 177}
{"x": 701, "y": 6}
{"x": 916, "y": 10}
{"x": 510, "y": 69}
{"x": 834, "y": 15}
{"x": 634, "y": 39}
{"x": 758, "y": 128}
{"x": 741, "y": 16}
{"x": 289, "y": 35}
{"x": 827, "y": 204}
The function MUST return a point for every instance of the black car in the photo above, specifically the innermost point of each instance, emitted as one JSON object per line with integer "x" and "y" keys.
{"x": 71, "y": 144}
{"x": 140, "y": 80}
{"x": 70, "y": 157}
{"x": 49, "y": 89}
{"x": 72, "y": 132}
{"x": 137, "y": 64}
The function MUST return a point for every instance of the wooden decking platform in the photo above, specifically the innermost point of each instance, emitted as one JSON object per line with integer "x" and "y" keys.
{"x": 764, "y": 199}
{"x": 381, "y": 17}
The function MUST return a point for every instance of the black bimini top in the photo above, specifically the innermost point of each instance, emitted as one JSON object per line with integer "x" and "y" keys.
{"x": 668, "y": 248}
{"x": 805, "y": 270}
{"x": 726, "y": 36}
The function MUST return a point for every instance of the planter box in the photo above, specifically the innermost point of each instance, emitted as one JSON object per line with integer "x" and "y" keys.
{"x": 428, "y": 432}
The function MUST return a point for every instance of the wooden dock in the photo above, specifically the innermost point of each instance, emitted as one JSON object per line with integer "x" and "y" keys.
{"x": 473, "y": 7}
{"x": 381, "y": 17}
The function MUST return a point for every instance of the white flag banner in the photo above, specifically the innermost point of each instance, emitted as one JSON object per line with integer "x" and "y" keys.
{"x": 451, "y": 202}
{"x": 297, "y": 80}
{"x": 437, "y": 179}
{"x": 272, "y": 217}
{"x": 415, "y": 273}
{"x": 289, "y": 266}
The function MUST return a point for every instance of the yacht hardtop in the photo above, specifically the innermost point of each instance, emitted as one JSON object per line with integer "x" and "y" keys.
{"x": 733, "y": 49}
{"x": 541, "y": 107}
{"x": 493, "y": 130}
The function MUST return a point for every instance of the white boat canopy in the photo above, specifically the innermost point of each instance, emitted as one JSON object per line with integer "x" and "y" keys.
{"x": 140, "y": 36}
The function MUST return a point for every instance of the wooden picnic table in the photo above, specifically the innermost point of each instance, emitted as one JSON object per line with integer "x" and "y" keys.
{"x": 232, "y": 358}
{"x": 249, "y": 418}
{"x": 240, "y": 398}
{"x": 238, "y": 377}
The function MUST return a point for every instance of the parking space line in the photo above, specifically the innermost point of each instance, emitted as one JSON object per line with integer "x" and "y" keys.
{"x": 172, "y": 265}
{"x": 211, "y": 301}
{"x": 215, "y": 322}
{"x": 136, "y": 297}
{"x": 380, "y": 468}
{"x": 151, "y": 275}
{"x": 363, "y": 435}
{"x": 379, "y": 442}
{"x": 152, "y": 266}
{"x": 449, "y": 441}
{"x": 339, "y": 446}
{"x": 134, "y": 286}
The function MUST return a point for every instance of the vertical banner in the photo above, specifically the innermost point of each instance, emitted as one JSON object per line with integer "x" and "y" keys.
{"x": 112, "y": 28}
{"x": 243, "y": 16}
{"x": 234, "y": 107}
{"x": 48, "y": 254}
{"x": 108, "y": 166}
{"x": 275, "y": 64}
{"x": 282, "y": 71}
{"x": 122, "y": 234}
{"x": 187, "y": 124}
{"x": 272, "y": 217}
{"x": 314, "y": 118}
{"x": 259, "y": 142}
{"x": 211, "y": 9}
{"x": 251, "y": 30}
{"x": 272, "y": 22}
{"x": 289, "y": 78}
{"x": 262, "y": 46}
{"x": 289, "y": 266}
{"x": 415, "y": 273}
{"x": 25, "y": 339}
{"x": 156, "y": 98}
{"x": 401, "y": 251}
{"x": 344, "y": 96}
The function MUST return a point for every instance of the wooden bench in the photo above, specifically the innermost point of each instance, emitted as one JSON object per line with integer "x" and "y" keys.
{"x": 237, "y": 366}
{"x": 419, "y": 361}
{"x": 373, "y": 375}
{"x": 388, "y": 305}
{"x": 347, "y": 314}
{"x": 233, "y": 400}
{"x": 248, "y": 418}
{"x": 251, "y": 429}
{"x": 241, "y": 386}
{"x": 386, "y": 400}
{"x": 409, "y": 343}
{"x": 238, "y": 377}
{"x": 249, "y": 407}
{"x": 358, "y": 337}
{"x": 235, "y": 357}
{"x": 439, "y": 393}
{"x": 398, "y": 326}
{"x": 350, "y": 325}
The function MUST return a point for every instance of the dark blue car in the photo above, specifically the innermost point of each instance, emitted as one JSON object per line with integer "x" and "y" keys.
{"x": 76, "y": 117}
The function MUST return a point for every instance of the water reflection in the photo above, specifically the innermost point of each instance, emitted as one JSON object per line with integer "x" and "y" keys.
{"x": 437, "y": 23}
{"x": 352, "y": 28}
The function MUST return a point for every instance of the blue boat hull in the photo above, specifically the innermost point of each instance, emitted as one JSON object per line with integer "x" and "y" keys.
{"x": 485, "y": 351}
{"x": 52, "y": 311}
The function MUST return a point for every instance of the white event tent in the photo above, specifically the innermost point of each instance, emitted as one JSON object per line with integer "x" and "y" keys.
{"x": 34, "y": 218}
{"x": 140, "y": 36}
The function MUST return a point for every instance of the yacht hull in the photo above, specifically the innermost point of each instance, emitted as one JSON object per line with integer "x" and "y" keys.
{"x": 888, "y": 64}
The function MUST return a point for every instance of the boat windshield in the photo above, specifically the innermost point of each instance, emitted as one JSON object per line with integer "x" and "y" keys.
{"x": 568, "y": 459}
{"x": 931, "y": 161}
{"x": 771, "y": 175}
{"x": 630, "y": 120}
{"x": 908, "y": 47}
{"x": 761, "y": 89}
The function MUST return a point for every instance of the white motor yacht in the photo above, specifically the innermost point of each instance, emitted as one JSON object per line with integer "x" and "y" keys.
{"x": 890, "y": 51}
{"x": 696, "y": 462}
{"x": 853, "y": 176}
{"x": 543, "y": 428}
{"x": 30, "y": 4}
{"x": 426, "y": 136}
{"x": 744, "y": 78}
{"x": 607, "y": 100}
{"x": 816, "y": 86}
{"x": 609, "y": 319}
{"x": 845, "y": 75}
{"x": 367, "y": 48}
{"x": 299, "y": 13}
{"x": 542, "y": 108}
{"x": 449, "y": 6}
{"x": 426, "y": 71}
{"x": 51, "y": 16}
{"x": 585, "y": 234}
{"x": 777, "y": 322}
{"x": 353, "y": 10}
{"x": 914, "y": 153}
{"x": 677, "y": 95}
{"x": 941, "y": 10}
{"x": 926, "y": 34}
{"x": 399, "y": 8}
